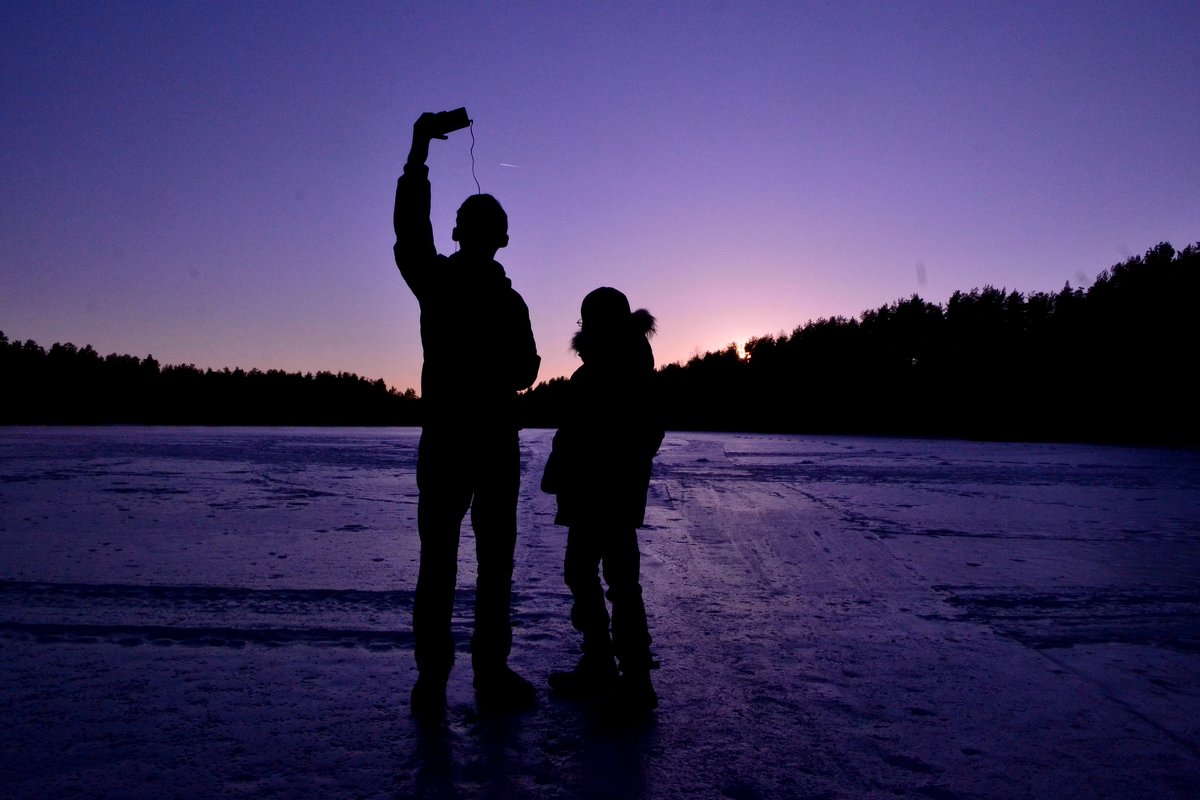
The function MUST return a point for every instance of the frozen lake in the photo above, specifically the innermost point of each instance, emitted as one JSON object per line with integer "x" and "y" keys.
{"x": 225, "y": 612}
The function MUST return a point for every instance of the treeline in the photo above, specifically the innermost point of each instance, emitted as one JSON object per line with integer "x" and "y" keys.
{"x": 71, "y": 385}
{"x": 1113, "y": 363}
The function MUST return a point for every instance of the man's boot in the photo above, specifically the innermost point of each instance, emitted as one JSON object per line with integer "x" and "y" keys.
{"x": 634, "y": 694}
{"x": 499, "y": 690}
{"x": 428, "y": 699}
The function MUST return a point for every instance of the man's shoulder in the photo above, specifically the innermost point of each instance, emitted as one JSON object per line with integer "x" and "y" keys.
{"x": 503, "y": 273}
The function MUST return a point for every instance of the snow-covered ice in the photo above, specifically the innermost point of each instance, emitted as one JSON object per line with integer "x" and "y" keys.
{"x": 225, "y": 612}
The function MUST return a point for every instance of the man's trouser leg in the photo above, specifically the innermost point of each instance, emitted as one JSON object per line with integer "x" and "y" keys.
{"x": 497, "y": 483}
{"x": 445, "y": 493}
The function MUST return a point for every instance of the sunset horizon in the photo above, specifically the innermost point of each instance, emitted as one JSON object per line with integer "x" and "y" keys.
{"x": 213, "y": 184}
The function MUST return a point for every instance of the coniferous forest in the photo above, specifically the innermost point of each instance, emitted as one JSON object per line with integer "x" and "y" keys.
{"x": 1115, "y": 362}
{"x": 1111, "y": 363}
{"x": 77, "y": 386}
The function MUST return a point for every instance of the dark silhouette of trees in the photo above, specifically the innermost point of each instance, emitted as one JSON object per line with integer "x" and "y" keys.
{"x": 71, "y": 385}
{"x": 543, "y": 408}
{"x": 1111, "y": 363}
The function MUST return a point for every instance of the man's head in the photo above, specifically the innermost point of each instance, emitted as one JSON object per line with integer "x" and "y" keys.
{"x": 481, "y": 225}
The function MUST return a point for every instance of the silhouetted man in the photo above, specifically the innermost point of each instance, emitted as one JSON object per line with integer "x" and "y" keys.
{"x": 479, "y": 352}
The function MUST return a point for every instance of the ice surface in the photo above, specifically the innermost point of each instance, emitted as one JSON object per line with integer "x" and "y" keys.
{"x": 204, "y": 612}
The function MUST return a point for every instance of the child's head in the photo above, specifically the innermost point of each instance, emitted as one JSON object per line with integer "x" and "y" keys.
{"x": 604, "y": 310}
{"x": 606, "y": 325}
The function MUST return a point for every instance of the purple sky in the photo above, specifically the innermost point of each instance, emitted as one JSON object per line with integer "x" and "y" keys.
{"x": 212, "y": 182}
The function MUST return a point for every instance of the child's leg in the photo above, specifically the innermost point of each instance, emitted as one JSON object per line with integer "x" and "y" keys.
{"x": 581, "y": 570}
{"x": 631, "y": 634}
{"x": 597, "y": 670}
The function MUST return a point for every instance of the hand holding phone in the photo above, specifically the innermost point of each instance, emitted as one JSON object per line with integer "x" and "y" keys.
{"x": 437, "y": 125}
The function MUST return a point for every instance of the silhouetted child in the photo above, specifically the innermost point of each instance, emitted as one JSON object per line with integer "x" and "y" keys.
{"x": 599, "y": 469}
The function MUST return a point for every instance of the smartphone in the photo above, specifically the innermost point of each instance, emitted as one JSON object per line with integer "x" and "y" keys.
{"x": 448, "y": 121}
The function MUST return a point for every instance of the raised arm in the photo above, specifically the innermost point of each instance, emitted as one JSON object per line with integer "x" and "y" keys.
{"x": 414, "y": 250}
